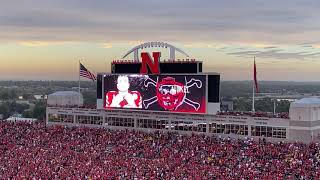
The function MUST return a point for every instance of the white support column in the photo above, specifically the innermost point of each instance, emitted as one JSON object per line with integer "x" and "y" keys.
{"x": 135, "y": 123}
{"x": 136, "y": 55}
{"x": 74, "y": 119}
{"x": 172, "y": 53}
{"x": 104, "y": 120}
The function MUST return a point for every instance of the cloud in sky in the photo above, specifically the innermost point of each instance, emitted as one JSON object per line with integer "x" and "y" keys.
{"x": 222, "y": 32}
{"x": 287, "y": 21}
{"x": 276, "y": 54}
{"x": 304, "y": 51}
{"x": 107, "y": 45}
{"x": 40, "y": 43}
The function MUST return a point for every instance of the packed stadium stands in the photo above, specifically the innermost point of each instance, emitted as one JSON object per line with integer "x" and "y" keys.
{"x": 33, "y": 150}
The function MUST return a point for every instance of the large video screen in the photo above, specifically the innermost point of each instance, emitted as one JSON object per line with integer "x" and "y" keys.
{"x": 175, "y": 93}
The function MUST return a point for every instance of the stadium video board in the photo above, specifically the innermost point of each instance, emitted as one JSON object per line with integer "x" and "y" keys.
{"x": 165, "y": 92}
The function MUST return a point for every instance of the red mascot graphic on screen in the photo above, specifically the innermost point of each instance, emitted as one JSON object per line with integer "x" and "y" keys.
{"x": 171, "y": 94}
{"x": 123, "y": 98}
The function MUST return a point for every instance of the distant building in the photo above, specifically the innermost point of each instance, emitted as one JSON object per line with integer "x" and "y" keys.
{"x": 40, "y": 97}
{"x": 290, "y": 100}
{"x": 65, "y": 98}
{"x": 10, "y": 87}
{"x": 305, "y": 119}
{"x": 17, "y": 119}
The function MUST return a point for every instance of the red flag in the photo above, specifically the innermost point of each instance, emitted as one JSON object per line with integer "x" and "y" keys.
{"x": 255, "y": 75}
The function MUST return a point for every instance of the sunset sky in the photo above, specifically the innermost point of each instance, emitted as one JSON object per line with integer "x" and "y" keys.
{"x": 44, "y": 40}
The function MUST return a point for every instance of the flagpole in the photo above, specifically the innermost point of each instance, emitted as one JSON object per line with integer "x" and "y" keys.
{"x": 253, "y": 86}
{"x": 79, "y": 82}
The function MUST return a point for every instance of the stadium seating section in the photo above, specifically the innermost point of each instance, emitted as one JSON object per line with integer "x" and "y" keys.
{"x": 32, "y": 150}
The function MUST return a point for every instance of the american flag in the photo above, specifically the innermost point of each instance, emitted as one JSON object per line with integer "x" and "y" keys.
{"x": 87, "y": 74}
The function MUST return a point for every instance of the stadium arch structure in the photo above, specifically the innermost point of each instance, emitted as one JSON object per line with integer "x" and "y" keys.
{"x": 172, "y": 49}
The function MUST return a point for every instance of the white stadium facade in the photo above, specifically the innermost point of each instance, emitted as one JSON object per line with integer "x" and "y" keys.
{"x": 182, "y": 101}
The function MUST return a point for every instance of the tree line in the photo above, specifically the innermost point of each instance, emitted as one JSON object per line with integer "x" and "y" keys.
{"x": 261, "y": 105}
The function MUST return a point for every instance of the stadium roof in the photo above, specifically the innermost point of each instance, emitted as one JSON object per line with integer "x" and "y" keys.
{"x": 306, "y": 102}
{"x": 65, "y": 93}
{"x": 65, "y": 98}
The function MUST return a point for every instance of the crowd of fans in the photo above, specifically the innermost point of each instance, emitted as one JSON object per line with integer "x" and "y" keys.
{"x": 284, "y": 115}
{"x": 32, "y": 150}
